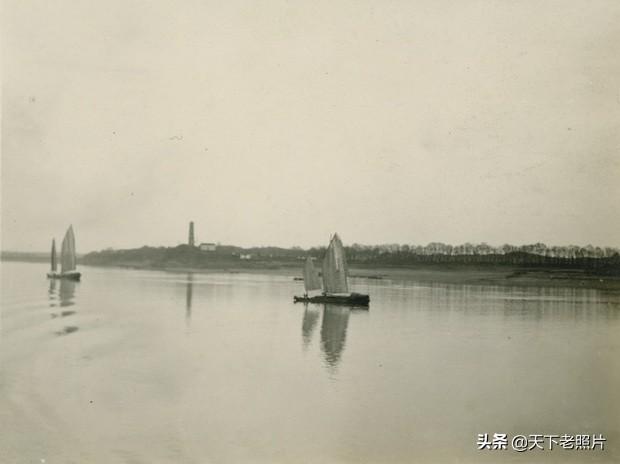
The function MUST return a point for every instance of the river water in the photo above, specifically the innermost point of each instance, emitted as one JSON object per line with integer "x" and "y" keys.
{"x": 133, "y": 366}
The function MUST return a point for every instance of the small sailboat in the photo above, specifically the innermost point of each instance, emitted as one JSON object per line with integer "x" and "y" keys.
{"x": 335, "y": 283}
{"x": 67, "y": 258}
{"x": 53, "y": 273}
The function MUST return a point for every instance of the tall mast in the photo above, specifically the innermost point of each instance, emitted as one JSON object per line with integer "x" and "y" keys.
{"x": 53, "y": 259}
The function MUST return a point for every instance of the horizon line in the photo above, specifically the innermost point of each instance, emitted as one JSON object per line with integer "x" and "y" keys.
{"x": 617, "y": 247}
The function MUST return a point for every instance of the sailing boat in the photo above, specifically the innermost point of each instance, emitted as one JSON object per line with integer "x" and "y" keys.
{"x": 67, "y": 258}
{"x": 335, "y": 284}
{"x": 53, "y": 270}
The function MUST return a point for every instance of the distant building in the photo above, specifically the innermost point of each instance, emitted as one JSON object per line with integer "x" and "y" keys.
{"x": 190, "y": 240}
{"x": 208, "y": 247}
{"x": 245, "y": 256}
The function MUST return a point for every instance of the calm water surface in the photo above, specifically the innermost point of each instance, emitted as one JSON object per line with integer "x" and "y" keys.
{"x": 153, "y": 367}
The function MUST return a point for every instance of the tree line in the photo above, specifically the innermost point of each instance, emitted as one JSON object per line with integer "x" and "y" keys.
{"x": 482, "y": 253}
{"x": 537, "y": 254}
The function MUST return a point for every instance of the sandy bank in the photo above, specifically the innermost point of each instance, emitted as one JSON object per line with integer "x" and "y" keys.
{"x": 463, "y": 275}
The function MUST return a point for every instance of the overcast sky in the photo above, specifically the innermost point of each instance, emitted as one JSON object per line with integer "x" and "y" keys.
{"x": 280, "y": 122}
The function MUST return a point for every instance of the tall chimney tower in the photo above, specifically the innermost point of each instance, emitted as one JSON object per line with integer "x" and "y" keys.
{"x": 190, "y": 240}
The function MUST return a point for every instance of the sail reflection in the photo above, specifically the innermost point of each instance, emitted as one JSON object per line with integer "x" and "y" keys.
{"x": 334, "y": 333}
{"x": 52, "y": 293}
{"x": 66, "y": 330}
{"x": 67, "y": 292}
{"x": 311, "y": 317}
{"x": 61, "y": 293}
{"x": 189, "y": 290}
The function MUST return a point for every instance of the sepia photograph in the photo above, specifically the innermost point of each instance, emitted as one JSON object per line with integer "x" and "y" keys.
{"x": 310, "y": 232}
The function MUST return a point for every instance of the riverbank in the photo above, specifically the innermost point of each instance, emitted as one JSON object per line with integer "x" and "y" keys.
{"x": 500, "y": 275}
{"x": 437, "y": 273}
{"x": 458, "y": 274}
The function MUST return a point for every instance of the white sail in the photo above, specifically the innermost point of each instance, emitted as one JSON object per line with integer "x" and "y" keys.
{"x": 67, "y": 253}
{"x": 335, "y": 268}
{"x": 311, "y": 276}
{"x": 53, "y": 259}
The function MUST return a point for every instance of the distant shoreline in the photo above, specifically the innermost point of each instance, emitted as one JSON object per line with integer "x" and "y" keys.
{"x": 435, "y": 273}
{"x": 458, "y": 274}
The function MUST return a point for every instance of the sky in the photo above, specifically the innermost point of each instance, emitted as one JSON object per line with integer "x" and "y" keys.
{"x": 279, "y": 122}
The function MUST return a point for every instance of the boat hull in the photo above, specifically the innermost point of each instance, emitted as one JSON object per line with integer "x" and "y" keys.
{"x": 353, "y": 299}
{"x": 72, "y": 275}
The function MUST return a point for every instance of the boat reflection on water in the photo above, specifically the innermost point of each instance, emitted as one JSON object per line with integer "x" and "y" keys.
{"x": 52, "y": 294}
{"x": 334, "y": 325}
{"x": 334, "y": 334}
{"x": 65, "y": 295}
{"x": 189, "y": 290}
{"x": 66, "y": 330}
{"x": 67, "y": 292}
{"x": 61, "y": 293}
{"x": 311, "y": 317}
